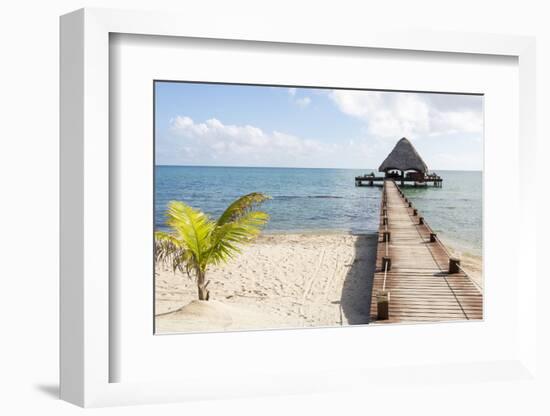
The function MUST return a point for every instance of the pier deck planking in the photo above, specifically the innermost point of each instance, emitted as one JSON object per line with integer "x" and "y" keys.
{"x": 420, "y": 287}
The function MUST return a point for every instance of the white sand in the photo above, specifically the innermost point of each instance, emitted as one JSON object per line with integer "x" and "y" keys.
{"x": 280, "y": 281}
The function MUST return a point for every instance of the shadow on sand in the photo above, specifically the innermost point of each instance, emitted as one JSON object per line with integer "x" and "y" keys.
{"x": 357, "y": 289}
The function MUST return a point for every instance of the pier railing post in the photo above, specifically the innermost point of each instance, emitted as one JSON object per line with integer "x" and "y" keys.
{"x": 386, "y": 236}
{"x": 420, "y": 220}
{"x": 415, "y": 212}
{"x": 433, "y": 237}
{"x": 454, "y": 264}
{"x": 410, "y": 204}
{"x": 386, "y": 263}
{"x": 383, "y": 304}
{"x": 384, "y": 220}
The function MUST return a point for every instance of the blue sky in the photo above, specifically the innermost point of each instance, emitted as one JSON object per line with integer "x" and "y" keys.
{"x": 239, "y": 125}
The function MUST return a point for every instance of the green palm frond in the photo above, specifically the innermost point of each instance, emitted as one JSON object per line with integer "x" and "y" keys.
{"x": 192, "y": 228}
{"x": 241, "y": 206}
{"x": 227, "y": 238}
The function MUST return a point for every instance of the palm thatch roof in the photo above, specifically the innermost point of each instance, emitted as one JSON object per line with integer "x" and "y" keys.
{"x": 403, "y": 157}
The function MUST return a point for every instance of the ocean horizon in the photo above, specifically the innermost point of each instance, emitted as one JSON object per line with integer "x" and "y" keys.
{"x": 368, "y": 170}
{"x": 310, "y": 200}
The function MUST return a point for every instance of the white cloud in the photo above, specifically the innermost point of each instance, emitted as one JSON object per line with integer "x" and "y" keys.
{"x": 457, "y": 121}
{"x": 303, "y": 102}
{"x": 215, "y": 143}
{"x": 244, "y": 145}
{"x": 392, "y": 115}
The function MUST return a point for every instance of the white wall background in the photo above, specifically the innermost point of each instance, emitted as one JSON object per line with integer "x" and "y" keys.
{"x": 29, "y": 198}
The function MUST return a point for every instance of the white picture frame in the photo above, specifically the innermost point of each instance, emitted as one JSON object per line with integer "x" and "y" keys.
{"x": 86, "y": 356}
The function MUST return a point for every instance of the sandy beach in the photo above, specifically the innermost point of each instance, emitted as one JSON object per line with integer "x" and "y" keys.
{"x": 279, "y": 281}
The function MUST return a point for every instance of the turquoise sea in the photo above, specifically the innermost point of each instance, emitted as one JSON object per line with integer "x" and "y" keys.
{"x": 313, "y": 200}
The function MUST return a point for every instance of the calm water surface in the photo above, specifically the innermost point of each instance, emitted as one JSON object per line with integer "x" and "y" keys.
{"x": 310, "y": 200}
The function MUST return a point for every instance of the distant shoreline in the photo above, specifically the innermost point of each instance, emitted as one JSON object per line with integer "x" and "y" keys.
{"x": 454, "y": 246}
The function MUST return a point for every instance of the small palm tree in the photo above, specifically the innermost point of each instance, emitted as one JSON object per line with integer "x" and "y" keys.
{"x": 196, "y": 241}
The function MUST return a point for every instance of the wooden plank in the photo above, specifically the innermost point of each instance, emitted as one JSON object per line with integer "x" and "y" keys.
{"x": 420, "y": 288}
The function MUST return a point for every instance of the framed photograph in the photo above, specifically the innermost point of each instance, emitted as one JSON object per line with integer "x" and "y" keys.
{"x": 264, "y": 218}
{"x": 274, "y": 213}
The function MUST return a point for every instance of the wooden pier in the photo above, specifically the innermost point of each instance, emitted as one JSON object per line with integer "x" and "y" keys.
{"x": 416, "y": 279}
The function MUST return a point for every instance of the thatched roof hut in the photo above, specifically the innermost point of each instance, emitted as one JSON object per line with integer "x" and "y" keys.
{"x": 403, "y": 157}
